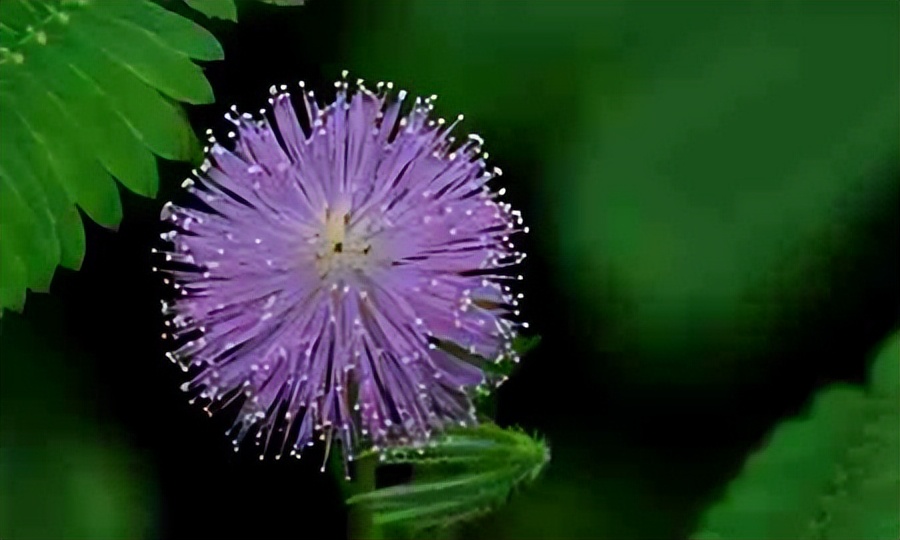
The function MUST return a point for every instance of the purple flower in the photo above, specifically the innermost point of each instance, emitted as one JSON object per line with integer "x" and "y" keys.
{"x": 322, "y": 264}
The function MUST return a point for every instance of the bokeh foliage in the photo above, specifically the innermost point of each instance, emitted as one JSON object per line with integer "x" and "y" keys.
{"x": 63, "y": 473}
{"x": 705, "y": 178}
{"x": 681, "y": 173}
{"x": 833, "y": 473}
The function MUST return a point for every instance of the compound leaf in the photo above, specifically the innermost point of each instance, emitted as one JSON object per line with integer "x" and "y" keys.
{"x": 89, "y": 91}
{"x": 80, "y": 85}
{"x": 457, "y": 476}
{"x": 227, "y": 9}
{"x": 219, "y": 9}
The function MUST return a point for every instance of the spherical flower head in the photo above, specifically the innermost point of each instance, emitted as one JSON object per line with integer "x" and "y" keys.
{"x": 342, "y": 276}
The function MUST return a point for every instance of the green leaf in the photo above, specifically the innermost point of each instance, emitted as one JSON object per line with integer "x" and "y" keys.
{"x": 29, "y": 229}
{"x": 17, "y": 15}
{"x": 156, "y": 63}
{"x": 500, "y": 367}
{"x": 80, "y": 98}
{"x": 168, "y": 28}
{"x": 51, "y": 124}
{"x": 52, "y": 127}
{"x": 227, "y": 9}
{"x": 284, "y": 2}
{"x": 23, "y": 158}
{"x": 15, "y": 276}
{"x": 497, "y": 370}
{"x": 88, "y": 91}
{"x": 125, "y": 99}
{"x": 459, "y": 475}
{"x": 832, "y": 474}
{"x": 73, "y": 80}
{"x": 220, "y": 9}
{"x": 525, "y": 344}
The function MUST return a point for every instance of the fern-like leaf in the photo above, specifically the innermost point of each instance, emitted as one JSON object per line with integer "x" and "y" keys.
{"x": 218, "y": 9}
{"x": 88, "y": 93}
{"x": 834, "y": 474}
{"x": 82, "y": 101}
{"x": 458, "y": 476}
{"x": 227, "y": 9}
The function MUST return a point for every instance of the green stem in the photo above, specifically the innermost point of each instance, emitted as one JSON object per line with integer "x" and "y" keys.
{"x": 361, "y": 526}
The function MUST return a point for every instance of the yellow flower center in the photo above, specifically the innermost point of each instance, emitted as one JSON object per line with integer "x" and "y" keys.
{"x": 339, "y": 250}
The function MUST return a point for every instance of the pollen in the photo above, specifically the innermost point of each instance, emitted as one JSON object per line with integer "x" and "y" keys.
{"x": 341, "y": 249}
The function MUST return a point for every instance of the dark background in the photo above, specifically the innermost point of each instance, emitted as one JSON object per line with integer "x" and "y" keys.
{"x": 712, "y": 189}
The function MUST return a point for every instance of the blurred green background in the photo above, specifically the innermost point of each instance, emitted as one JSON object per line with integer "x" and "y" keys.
{"x": 712, "y": 189}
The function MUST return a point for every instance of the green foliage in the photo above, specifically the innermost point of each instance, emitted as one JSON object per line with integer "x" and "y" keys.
{"x": 227, "y": 9}
{"x": 73, "y": 486}
{"x": 502, "y": 366}
{"x": 63, "y": 474}
{"x": 88, "y": 93}
{"x": 691, "y": 179}
{"x": 833, "y": 474}
{"x": 498, "y": 370}
{"x": 721, "y": 187}
{"x": 462, "y": 474}
{"x": 84, "y": 97}
{"x": 457, "y": 476}
{"x": 219, "y": 9}
{"x": 514, "y": 68}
